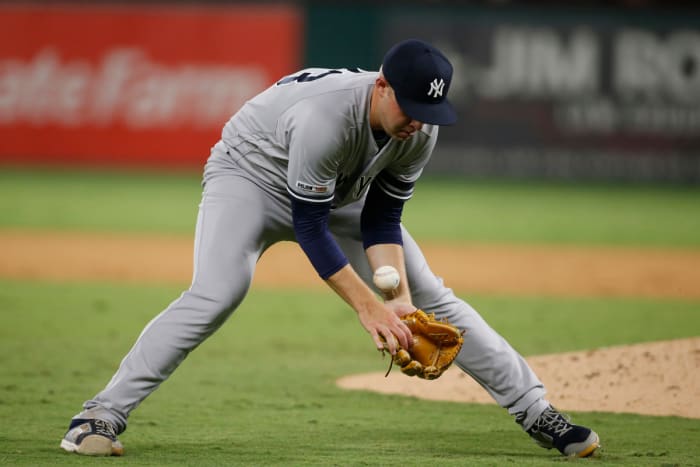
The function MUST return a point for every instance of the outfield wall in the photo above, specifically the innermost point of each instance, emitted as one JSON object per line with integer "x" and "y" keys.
{"x": 542, "y": 92}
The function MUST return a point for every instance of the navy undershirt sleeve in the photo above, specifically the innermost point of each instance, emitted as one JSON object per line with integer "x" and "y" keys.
{"x": 311, "y": 229}
{"x": 381, "y": 218}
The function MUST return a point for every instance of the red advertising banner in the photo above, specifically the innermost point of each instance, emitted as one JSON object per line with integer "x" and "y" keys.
{"x": 134, "y": 85}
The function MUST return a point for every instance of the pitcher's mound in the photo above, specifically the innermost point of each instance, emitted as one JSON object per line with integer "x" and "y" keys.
{"x": 656, "y": 378}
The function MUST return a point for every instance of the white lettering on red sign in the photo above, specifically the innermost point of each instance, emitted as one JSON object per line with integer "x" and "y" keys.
{"x": 124, "y": 87}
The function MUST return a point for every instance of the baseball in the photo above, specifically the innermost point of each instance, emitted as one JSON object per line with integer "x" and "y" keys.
{"x": 386, "y": 278}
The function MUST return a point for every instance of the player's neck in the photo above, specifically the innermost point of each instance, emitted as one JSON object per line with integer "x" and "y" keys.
{"x": 374, "y": 121}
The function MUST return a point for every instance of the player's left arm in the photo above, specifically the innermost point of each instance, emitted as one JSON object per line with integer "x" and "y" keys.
{"x": 383, "y": 209}
{"x": 380, "y": 320}
{"x": 381, "y": 234}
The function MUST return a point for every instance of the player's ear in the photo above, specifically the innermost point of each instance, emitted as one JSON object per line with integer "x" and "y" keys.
{"x": 381, "y": 84}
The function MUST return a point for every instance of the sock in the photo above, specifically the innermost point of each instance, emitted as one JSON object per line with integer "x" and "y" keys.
{"x": 527, "y": 418}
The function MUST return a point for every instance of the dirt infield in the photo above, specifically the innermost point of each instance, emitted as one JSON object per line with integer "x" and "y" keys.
{"x": 657, "y": 378}
{"x": 509, "y": 269}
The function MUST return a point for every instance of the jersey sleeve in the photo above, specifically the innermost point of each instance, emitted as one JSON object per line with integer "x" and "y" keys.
{"x": 399, "y": 178}
{"x": 315, "y": 137}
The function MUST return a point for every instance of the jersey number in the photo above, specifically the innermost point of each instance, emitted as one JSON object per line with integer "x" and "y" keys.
{"x": 306, "y": 76}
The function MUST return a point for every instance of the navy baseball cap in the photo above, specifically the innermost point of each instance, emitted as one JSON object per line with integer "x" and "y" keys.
{"x": 420, "y": 75}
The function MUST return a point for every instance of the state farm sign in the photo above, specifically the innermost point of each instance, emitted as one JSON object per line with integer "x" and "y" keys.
{"x": 80, "y": 86}
{"x": 124, "y": 86}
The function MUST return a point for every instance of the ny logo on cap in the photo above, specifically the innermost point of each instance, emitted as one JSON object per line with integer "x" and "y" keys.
{"x": 436, "y": 88}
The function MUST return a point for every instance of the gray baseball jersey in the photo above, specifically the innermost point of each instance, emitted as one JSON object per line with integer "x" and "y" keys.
{"x": 310, "y": 134}
{"x": 307, "y": 136}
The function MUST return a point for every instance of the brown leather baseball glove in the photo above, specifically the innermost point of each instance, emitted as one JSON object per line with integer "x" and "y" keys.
{"x": 435, "y": 346}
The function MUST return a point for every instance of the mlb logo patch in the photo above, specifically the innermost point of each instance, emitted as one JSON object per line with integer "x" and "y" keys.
{"x": 311, "y": 188}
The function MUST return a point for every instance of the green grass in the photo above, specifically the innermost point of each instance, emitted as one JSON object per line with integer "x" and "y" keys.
{"x": 556, "y": 213}
{"x": 277, "y": 405}
{"x": 99, "y": 200}
{"x": 441, "y": 209}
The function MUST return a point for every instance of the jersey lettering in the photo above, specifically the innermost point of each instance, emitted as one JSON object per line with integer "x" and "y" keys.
{"x": 361, "y": 185}
{"x": 306, "y": 76}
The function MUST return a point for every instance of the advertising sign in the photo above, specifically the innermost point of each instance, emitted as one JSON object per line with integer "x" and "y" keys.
{"x": 136, "y": 85}
{"x": 566, "y": 94}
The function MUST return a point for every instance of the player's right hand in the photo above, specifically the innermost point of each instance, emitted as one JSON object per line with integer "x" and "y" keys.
{"x": 386, "y": 328}
{"x": 400, "y": 308}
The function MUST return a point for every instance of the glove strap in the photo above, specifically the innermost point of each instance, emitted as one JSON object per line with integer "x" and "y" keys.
{"x": 391, "y": 364}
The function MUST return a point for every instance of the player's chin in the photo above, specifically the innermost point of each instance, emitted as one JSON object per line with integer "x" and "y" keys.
{"x": 402, "y": 135}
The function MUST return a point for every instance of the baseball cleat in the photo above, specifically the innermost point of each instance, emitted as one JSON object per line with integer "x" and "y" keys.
{"x": 92, "y": 437}
{"x": 553, "y": 430}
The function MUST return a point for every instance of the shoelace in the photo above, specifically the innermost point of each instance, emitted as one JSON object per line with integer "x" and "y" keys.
{"x": 552, "y": 421}
{"x": 104, "y": 428}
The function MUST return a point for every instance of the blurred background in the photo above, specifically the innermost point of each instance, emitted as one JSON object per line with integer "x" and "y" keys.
{"x": 577, "y": 90}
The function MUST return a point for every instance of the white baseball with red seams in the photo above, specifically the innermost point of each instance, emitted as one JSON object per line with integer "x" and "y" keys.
{"x": 386, "y": 278}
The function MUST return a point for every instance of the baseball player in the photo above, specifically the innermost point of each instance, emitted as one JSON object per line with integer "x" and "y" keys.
{"x": 326, "y": 158}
